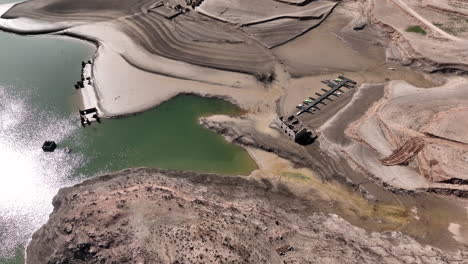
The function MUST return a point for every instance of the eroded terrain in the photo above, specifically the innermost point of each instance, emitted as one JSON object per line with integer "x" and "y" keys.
{"x": 153, "y": 216}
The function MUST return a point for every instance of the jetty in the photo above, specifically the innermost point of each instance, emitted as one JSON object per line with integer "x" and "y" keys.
{"x": 90, "y": 112}
{"x": 85, "y": 78}
{"x": 311, "y": 105}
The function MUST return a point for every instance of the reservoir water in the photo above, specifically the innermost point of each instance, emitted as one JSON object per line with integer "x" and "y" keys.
{"x": 38, "y": 103}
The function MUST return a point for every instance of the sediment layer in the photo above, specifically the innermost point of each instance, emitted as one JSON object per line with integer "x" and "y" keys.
{"x": 198, "y": 40}
{"x": 272, "y": 24}
{"x": 76, "y": 11}
{"x": 189, "y": 37}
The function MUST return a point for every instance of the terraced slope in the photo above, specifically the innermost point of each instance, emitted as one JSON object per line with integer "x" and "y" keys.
{"x": 198, "y": 40}
{"x": 190, "y": 37}
{"x": 276, "y": 32}
{"x": 245, "y": 12}
{"x": 271, "y": 23}
{"x": 79, "y": 11}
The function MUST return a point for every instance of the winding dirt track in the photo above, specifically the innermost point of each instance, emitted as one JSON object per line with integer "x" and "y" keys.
{"x": 423, "y": 20}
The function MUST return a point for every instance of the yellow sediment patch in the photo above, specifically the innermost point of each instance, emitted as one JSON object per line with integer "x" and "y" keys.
{"x": 343, "y": 201}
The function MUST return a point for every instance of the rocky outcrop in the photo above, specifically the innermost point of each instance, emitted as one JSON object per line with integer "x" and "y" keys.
{"x": 156, "y": 216}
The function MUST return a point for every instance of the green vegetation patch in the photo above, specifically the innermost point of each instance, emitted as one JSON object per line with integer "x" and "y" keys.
{"x": 416, "y": 29}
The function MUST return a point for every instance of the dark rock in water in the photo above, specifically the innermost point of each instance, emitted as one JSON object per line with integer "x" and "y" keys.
{"x": 49, "y": 146}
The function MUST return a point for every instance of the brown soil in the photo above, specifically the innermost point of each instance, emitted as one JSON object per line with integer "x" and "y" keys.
{"x": 405, "y": 153}
{"x": 154, "y": 216}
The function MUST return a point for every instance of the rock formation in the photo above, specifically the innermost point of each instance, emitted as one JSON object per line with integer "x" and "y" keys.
{"x": 155, "y": 216}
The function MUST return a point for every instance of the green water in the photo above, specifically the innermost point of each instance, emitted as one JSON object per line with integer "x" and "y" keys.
{"x": 38, "y": 102}
{"x": 43, "y": 71}
{"x": 166, "y": 137}
{"x": 17, "y": 258}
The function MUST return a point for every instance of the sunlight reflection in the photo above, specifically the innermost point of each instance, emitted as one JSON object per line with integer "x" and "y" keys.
{"x": 29, "y": 178}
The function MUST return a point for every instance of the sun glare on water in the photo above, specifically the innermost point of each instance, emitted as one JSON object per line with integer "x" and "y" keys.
{"x": 29, "y": 178}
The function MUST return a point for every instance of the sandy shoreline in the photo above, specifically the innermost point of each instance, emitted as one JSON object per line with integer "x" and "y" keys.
{"x": 115, "y": 83}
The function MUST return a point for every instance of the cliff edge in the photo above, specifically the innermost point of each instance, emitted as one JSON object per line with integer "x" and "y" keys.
{"x": 157, "y": 216}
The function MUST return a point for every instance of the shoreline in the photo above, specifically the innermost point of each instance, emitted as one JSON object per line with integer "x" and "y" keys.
{"x": 96, "y": 96}
{"x": 109, "y": 88}
{"x": 136, "y": 104}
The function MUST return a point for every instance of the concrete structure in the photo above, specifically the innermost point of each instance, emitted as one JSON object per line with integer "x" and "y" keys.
{"x": 335, "y": 86}
{"x": 89, "y": 115}
{"x": 167, "y": 11}
{"x": 293, "y": 128}
{"x": 193, "y": 3}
